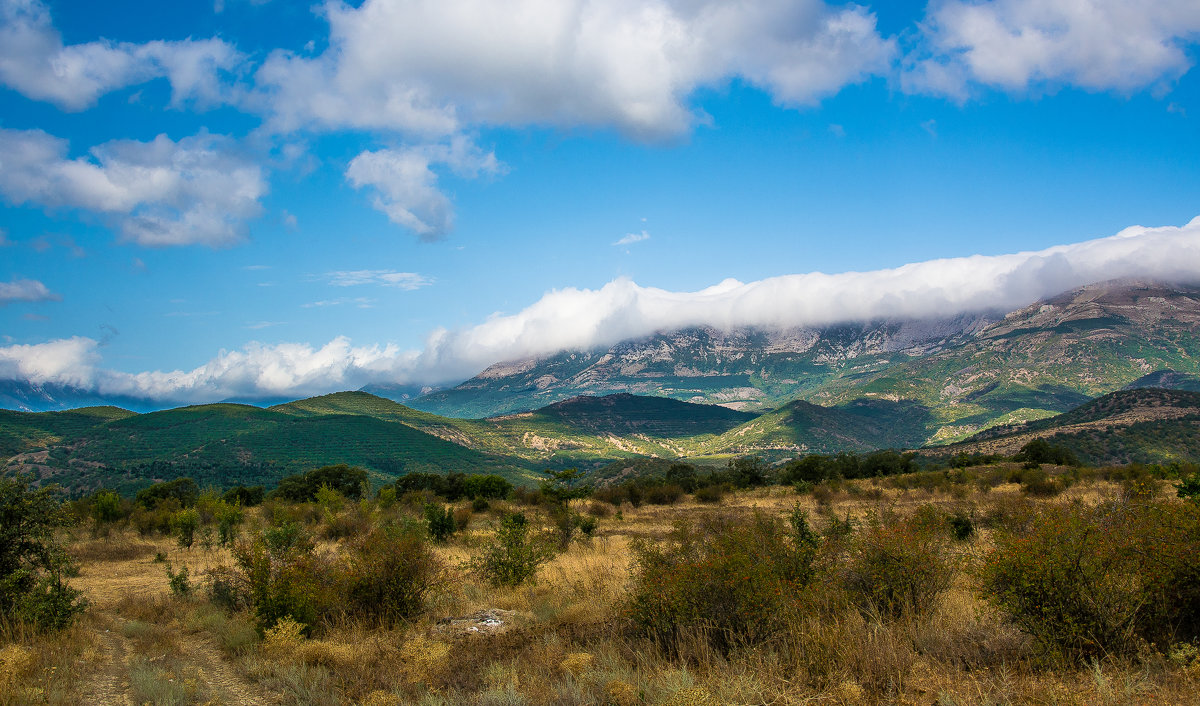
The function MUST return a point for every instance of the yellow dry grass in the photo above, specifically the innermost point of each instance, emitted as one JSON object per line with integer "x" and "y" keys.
{"x": 564, "y": 641}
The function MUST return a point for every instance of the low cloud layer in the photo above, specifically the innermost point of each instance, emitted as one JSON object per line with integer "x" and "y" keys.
{"x": 583, "y": 319}
{"x": 199, "y": 190}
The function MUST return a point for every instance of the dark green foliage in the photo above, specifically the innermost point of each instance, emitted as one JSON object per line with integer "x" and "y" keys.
{"x": 711, "y": 494}
{"x": 563, "y": 485}
{"x": 513, "y": 556}
{"x": 179, "y": 581}
{"x": 897, "y": 567}
{"x": 185, "y": 524}
{"x": 243, "y": 496}
{"x": 303, "y": 487}
{"x": 684, "y": 476}
{"x": 388, "y": 574}
{"x": 747, "y": 472}
{"x": 1189, "y": 487}
{"x": 287, "y": 537}
{"x": 440, "y": 522}
{"x": 182, "y": 490}
{"x": 962, "y": 526}
{"x": 33, "y": 565}
{"x": 1042, "y": 451}
{"x": 106, "y": 507}
{"x": 455, "y": 486}
{"x": 1089, "y": 581}
{"x": 727, "y": 582}
{"x": 229, "y": 518}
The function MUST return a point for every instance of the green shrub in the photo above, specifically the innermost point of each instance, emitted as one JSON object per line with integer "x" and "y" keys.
{"x": 1093, "y": 581}
{"x": 711, "y": 494}
{"x": 106, "y": 507}
{"x": 897, "y": 567}
{"x": 724, "y": 581}
{"x": 33, "y": 565}
{"x": 389, "y": 573}
{"x": 179, "y": 581}
{"x": 440, "y": 522}
{"x": 513, "y": 556}
{"x": 185, "y": 523}
{"x": 229, "y": 518}
{"x": 184, "y": 491}
{"x": 303, "y": 487}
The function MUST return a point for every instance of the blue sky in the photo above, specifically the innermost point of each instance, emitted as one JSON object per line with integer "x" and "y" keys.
{"x": 240, "y": 198}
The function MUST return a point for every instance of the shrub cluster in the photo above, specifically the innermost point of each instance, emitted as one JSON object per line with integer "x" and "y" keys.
{"x": 1090, "y": 581}
{"x": 455, "y": 486}
{"x": 33, "y": 565}
{"x": 384, "y": 575}
{"x": 727, "y": 582}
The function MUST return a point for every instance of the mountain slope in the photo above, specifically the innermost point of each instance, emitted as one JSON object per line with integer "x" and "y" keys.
{"x": 227, "y": 444}
{"x": 970, "y": 373}
{"x": 1128, "y": 426}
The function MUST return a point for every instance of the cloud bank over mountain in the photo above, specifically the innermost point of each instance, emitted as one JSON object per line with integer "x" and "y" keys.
{"x": 571, "y": 319}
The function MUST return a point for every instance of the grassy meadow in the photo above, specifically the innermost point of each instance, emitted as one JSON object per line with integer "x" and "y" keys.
{"x": 905, "y": 589}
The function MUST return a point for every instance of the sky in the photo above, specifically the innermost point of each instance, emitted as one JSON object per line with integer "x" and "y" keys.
{"x": 253, "y": 198}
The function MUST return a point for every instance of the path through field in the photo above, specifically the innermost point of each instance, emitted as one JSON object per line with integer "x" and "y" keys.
{"x": 146, "y": 650}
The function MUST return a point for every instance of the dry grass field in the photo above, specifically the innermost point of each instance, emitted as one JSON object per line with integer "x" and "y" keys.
{"x": 566, "y": 638}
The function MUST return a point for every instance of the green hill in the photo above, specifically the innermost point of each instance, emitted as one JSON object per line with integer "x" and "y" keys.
{"x": 1128, "y": 426}
{"x": 229, "y": 444}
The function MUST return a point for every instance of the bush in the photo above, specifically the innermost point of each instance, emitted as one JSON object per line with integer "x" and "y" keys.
{"x": 181, "y": 490}
{"x": 179, "y": 581}
{"x": 513, "y": 557}
{"x": 1042, "y": 451}
{"x": 243, "y": 496}
{"x": 711, "y": 494}
{"x": 724, "y": 581}
{"x": 897, "y": 568}
{"x": 440, "y": 522}
{"x": 185, "y": 523}
{"x": 389, "y": 573}
{"x": 303, "y": 487}
{"x": 33, "y": 565}
{"x": 1093, "y": 581}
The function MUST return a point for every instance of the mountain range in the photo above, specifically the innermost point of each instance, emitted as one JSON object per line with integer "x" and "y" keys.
{"x": 972, "y": 384}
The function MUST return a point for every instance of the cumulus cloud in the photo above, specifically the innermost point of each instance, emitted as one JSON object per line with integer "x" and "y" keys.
{"x": 631, "y": 238}
{"x": 1121, "y": 45}
{"x": 405, "y": 184}
{"x": 68, "y": 361}
{"x": 386, "y": 278}
{"x": 35, "y": 62}
{"x": 25, "y": 290}
{"x": 429, "y": 67}
{"x": 581, "y": 319}
{"x": 158, "y": 193}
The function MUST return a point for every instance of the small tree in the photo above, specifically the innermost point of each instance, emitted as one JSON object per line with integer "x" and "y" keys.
{"x": 33, "y": 565}
{"x": 513, "y": 557}
{"x": 186, "y": 522}
{"x": 440, "y": 521}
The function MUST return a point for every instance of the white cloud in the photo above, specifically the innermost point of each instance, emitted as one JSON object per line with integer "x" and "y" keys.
{"x": 35, "y": 62}
{"x": 1121, "y": 45}
{"x": 431, "y": 67}
{"x": 25, "y": 290}
{"x": 198, "y": 190}
{"x": 386, "y": 278}
{"x": 69, "y": 361}
{"x": 573, "y": 319}
{"x": 405, "y": 185}
{"x": 360, "y": 302}
{"x": 631, "y": 238}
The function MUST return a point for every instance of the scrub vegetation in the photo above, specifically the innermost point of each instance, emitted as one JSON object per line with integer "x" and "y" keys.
{"x": 837, "y": 579}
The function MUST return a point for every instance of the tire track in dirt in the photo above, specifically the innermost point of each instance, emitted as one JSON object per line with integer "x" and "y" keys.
{"x": 109, "y": 686}
{"x": 223, "y": 684}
